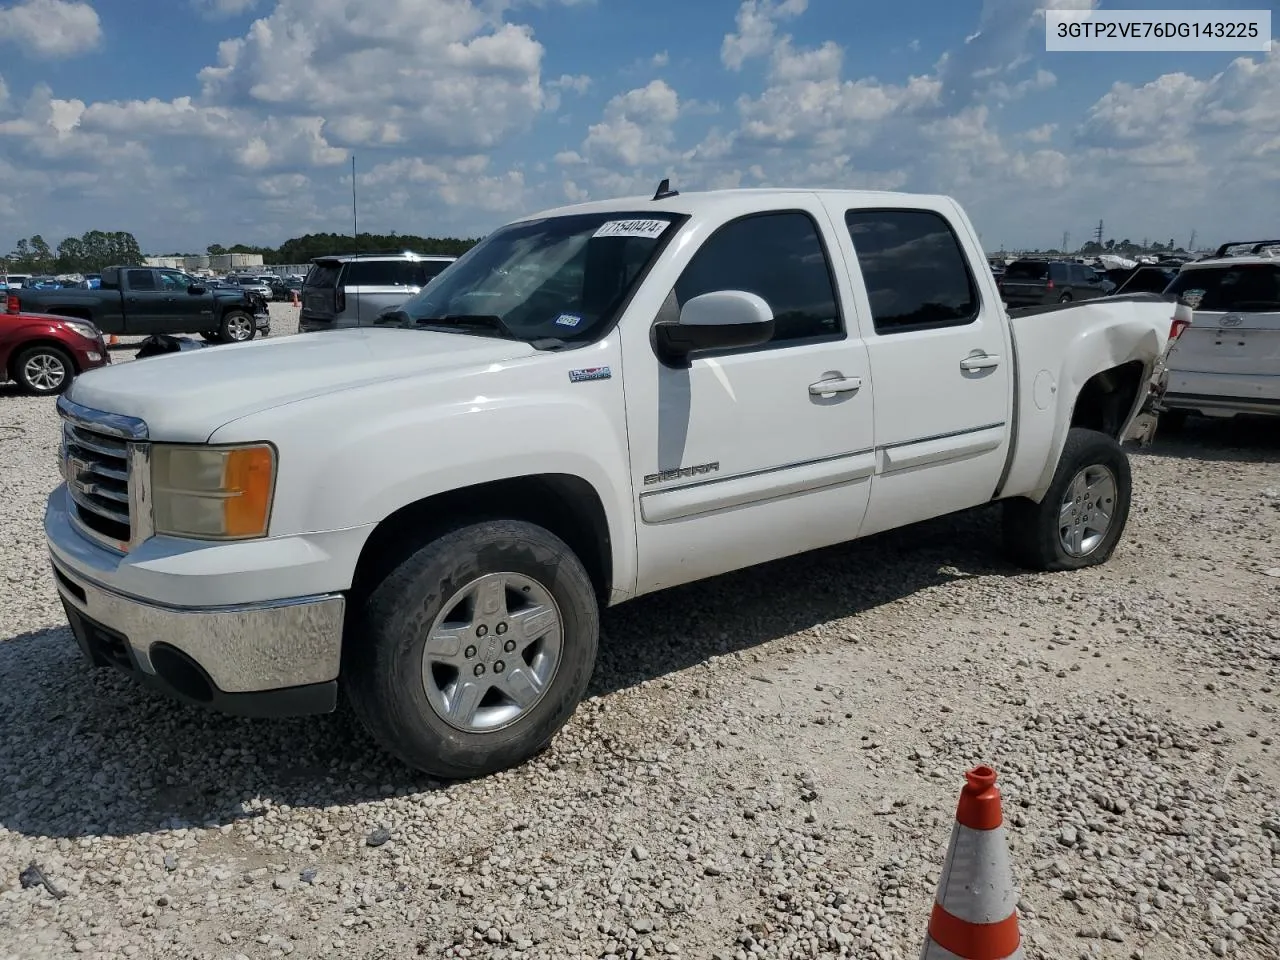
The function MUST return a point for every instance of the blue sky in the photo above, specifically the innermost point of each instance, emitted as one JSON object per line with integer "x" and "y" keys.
{"x": 190, "y": 122}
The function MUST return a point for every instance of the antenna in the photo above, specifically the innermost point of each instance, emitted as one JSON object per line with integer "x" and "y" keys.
{"x": 664, "y": 190}
{"x": 355, "y": 230}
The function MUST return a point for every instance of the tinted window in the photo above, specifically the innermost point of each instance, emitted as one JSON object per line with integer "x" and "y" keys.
{"x": 914, "y": 268}
{"x": 141, "y": 280}
{"x": 378, "y": 273}
{"x": 1148, "y": 280}
{"x": 324, "y": 275}
{"x": 780, "y": 258}
{"x": 426, "y": 271}
{"x": 1058, "y": 272}
{"x": 1027, "y": 270}
{"x": 1245, "y": 287}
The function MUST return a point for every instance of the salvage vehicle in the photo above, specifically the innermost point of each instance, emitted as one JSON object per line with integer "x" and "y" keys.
{"x": 592, "y": 404}
{"x": 351, "y": 291}
{"x": 137, "y": 301}
{"x": 42, "y": 354}
{"x": 1227, "y": 361}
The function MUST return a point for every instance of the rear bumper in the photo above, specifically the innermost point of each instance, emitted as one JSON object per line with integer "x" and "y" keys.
{"x": 1221, "y": 394}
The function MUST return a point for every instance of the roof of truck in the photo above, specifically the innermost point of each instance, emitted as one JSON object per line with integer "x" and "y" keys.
{"x": 748, "y": 199}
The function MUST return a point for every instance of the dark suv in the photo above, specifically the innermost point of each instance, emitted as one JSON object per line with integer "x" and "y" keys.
{"x": 351, "y": 291}
{"x": 1028, "y": 283}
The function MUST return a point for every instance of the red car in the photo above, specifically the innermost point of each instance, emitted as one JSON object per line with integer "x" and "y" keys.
{"x": 43, "y": 353}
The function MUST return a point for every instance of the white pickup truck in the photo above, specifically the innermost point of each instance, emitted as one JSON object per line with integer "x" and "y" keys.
{"x": 594, "y": 403}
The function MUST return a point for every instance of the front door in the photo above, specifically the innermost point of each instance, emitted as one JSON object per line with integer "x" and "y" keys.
{"x": 940, "y": 356}
{"x": 762, "y": 452}
{"x": 187, "y": 312}
{"x": 147, "y": 306}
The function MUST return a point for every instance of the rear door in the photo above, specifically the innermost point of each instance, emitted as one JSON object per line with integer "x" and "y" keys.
{"x": 148, "y": 307}
{"x": 372, "y": 286}
{"x": 938, "y": 343}
{"x": 1232, "y": 348}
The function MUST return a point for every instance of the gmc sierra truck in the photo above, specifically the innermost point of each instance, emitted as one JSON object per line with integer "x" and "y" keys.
{"x": 140, "y": 301}
{"x": 594, "y": 403}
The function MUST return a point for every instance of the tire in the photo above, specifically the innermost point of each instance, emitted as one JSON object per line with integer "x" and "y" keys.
{"x": 403, "y": 699}
{"x": 1032, "y": 534}
{"x": 43, "y": 370}
{"x": 237, "y": 327}
{"x": 1065, "y": 298}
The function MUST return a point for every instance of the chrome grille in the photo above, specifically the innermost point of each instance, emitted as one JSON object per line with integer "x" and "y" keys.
{"x": 103, "y": 463}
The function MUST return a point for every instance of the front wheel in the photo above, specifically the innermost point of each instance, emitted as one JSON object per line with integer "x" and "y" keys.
{"x": 43, "y": 370}
{"x": 1080, "y": 519}
{"x": 236, "y": 327}
{"x": 472, "y": 653}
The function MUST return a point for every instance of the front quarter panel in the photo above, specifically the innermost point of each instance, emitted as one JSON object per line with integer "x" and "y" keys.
{"x": 1058, "y": 353}
{"x": 352, "y": 458}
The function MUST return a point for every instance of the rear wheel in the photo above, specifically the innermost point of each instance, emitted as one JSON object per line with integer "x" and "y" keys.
{"x": 1065, "y": 298}
{"x": 237, "y": 327}
{"x": 472, "y": 653}
{"x": 43, "y": 370}
{"x": 1080, "y": 519}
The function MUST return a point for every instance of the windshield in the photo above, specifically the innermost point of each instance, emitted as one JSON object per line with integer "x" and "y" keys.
{"x": 561, "y": 277}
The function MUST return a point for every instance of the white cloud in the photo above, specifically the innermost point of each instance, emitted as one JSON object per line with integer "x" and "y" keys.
{"x": 660, "y": 59}
{"x": 51, "y": 28}
{"x": 636, "y": 129}
{"x": 757, "y": 27}
{"x": 224, "y": 8}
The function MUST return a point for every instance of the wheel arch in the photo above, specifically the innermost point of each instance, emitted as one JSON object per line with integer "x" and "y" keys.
{"x": 19, "y": 350}
{"x": 565, "y": 504}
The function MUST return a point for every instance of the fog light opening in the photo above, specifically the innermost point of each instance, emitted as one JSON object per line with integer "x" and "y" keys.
{"x": 181, "y": 672}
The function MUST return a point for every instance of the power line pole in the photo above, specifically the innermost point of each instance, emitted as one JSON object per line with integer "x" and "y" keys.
{"x": 1191, "y": 244}
{"x": 1097, "y": 234}
{"x": 1066, "y": 238}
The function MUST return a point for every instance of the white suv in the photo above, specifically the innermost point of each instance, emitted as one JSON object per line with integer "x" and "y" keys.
{"x": 1227, "y": 361}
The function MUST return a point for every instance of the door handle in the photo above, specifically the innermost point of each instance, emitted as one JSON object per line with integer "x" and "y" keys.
{"x": 984, "y": 361}
{"x": 170, "y": 299}
{"x": 835, "y": 385}
{"x": 132, "y": 299}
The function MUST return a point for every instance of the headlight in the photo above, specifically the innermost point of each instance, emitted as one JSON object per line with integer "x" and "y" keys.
{"x": 84, "y": 329}
{"x": 212, "y": 493}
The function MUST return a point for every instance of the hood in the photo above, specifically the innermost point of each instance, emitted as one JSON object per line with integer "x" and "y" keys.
{"x": 184, "y": 397}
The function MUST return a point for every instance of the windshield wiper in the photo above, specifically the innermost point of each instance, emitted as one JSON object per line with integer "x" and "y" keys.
{"x": 484, "y": 321}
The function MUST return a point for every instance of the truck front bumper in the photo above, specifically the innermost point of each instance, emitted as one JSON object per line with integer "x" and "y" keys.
{"x": 261, "y": 658}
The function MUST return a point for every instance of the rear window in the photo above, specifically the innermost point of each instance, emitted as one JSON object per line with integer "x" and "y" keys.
{"x": 1027, "y": 271}
{"x": 323, "y": 275}
{"x": 1229, "y": 288}
{"x": 1147, "y": 280}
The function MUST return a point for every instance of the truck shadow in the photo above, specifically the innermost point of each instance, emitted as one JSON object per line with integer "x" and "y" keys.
{"x": 1244, "y": 439}
{"x": 87, "y": 752}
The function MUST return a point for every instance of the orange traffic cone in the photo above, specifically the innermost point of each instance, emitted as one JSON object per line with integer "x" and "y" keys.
{"x": 975, "y": 913}
{"x": 294, "y": 299}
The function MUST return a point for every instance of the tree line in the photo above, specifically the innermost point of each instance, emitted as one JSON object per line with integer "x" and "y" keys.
{"x": 84, "y": 254}
{"x": 97, "y": 249}
{"x": 305, "y": 248}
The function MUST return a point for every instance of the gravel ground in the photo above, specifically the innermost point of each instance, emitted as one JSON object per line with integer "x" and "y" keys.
{"x": 767, "y": 765}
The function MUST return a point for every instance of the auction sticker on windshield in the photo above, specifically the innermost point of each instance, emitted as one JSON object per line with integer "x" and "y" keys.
{"x": 568, "y": 320}
{"x": 650, "y": 229}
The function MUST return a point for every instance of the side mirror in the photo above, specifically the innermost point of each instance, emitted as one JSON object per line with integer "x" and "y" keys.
{"x": 721, "y": 320}
{"x": 195, "y": 289}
